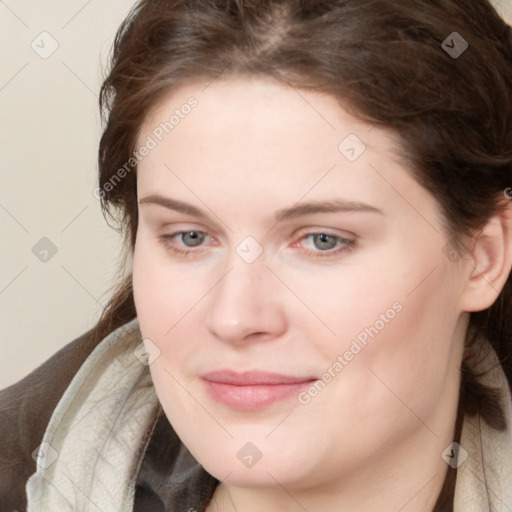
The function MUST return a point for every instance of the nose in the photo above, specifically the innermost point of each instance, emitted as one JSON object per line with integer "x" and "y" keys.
{"x": 246, "y": 305}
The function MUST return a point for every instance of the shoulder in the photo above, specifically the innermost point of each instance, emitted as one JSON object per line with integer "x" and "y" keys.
{"x": 25, "y": 410}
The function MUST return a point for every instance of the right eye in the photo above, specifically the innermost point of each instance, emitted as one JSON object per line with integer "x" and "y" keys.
{"x": 184, "y": 242}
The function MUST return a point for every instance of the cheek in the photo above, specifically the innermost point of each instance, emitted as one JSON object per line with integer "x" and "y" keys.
{"x": 332, "y": 306}
{"x": 403, "y": 369}
{"x": 165, "y": 301}
{"x": 149, "y": 294}
{"x": 395, "y": 326}
{"x": 164, "y": 293}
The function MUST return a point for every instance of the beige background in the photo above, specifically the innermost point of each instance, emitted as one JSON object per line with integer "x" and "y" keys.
{"x": 49, "y": 133}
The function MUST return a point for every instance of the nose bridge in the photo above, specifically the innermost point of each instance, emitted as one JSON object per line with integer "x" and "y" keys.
{"x": 242, "y": 304}
{"x": 242, "y": 288}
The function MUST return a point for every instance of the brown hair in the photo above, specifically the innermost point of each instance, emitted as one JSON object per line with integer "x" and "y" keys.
{"x": 382, "y": 58}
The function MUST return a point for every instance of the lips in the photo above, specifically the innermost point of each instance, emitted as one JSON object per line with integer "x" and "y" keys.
{"x": 253, "y": 389}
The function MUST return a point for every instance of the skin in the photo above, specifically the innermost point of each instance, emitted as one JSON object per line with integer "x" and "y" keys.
{"x": 372, "y": 438}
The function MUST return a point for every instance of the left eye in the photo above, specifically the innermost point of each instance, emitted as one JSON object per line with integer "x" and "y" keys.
{"x": 323, "y": 241}
{"x": 192, "y": 238}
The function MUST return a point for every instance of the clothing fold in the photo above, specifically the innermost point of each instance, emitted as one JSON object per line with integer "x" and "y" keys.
{"x": 94, "y": 444}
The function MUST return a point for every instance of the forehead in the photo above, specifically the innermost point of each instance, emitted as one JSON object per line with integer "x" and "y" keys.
{"x": 247, "y": 137}
{"x": 254, "y": 109}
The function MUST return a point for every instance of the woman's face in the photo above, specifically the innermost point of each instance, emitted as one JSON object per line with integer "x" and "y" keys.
{"x": 293, "y": 281}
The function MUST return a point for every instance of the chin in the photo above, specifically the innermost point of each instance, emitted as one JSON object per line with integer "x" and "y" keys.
{"x": 257, "y": 463}
{"x": 259, "y": 476}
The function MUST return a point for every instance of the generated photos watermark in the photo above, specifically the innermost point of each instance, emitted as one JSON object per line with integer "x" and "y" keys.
{"x": 157, "y": 136}
{"x": 357, "y": 345}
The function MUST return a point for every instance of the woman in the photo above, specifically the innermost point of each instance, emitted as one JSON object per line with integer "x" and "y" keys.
{"x": 316, "y": 196}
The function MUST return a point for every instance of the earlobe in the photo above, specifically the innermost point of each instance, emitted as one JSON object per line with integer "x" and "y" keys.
{"x": 489, "y": 262}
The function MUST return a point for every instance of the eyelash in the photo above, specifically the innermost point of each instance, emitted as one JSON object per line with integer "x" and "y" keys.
{"x": 347, "y": 244}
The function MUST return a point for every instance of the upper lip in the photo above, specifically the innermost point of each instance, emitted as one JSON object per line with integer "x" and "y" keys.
{"x": 252, "y": 378}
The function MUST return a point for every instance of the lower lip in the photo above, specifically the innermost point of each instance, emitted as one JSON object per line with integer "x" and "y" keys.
{"x": 248, "y": 398}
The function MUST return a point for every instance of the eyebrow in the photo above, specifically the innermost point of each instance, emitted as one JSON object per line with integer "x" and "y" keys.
{"x": 173, "y": 204}
{"x": 333, "y": 206}
{"x": 298, "y": 210}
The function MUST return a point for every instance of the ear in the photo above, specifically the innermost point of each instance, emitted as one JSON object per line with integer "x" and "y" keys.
{"x": 489, "y": 262}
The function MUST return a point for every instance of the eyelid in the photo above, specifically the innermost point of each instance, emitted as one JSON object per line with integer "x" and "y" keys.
{"x": 304, "y": 232}
{"x": 318, "y": 229}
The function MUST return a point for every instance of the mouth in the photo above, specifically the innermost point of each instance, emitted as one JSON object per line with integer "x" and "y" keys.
{"x": 253, "y": 389}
